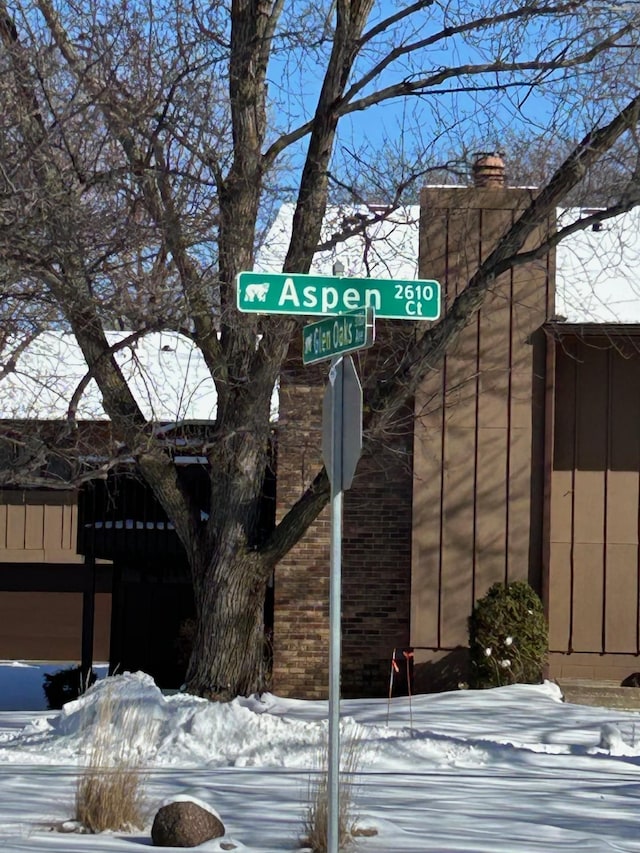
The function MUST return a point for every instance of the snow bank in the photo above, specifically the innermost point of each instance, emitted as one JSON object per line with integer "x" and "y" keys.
{"x": 183, "y": 730}
{"x": 488, "y": 771}
{"x": 168, "y": 730}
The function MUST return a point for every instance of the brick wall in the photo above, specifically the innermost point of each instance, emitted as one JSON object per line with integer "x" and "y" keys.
{"x": 301, "y": 586}
{"x": 376, "y": 566}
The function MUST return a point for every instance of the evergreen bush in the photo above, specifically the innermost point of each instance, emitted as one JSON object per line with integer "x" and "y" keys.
{"x": 508, "y": 637}
{"x": 65, "y": 685}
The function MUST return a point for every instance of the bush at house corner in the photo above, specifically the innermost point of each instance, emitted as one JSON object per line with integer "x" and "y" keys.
{"x": 65, "y": 685}
{"x": 508, "y": 637}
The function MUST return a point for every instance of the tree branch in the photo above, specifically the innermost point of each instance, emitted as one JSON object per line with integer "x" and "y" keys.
{"x": 295, "y": 523}
{"x": 312, "y": 195}
{"x": 159, "y": 201}
{"x": 423, "y": 84}
{"x": 386, "y": 400}
{"x": 383, "y": 26}
{"x": 70, "y": 289}
{"x": 527, "y": 11}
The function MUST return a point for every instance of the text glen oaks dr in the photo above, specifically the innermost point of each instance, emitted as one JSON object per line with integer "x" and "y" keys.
{"x": 281, "y": 293}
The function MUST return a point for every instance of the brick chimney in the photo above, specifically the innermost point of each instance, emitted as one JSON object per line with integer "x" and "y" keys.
{"x": 488, "y": 170}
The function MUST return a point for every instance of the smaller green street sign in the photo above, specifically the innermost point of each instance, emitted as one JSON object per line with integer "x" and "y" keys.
{"x": 336, "y": 335}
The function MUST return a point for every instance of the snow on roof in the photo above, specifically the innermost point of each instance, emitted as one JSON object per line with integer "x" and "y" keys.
{"x": 597, "y": 280}
{"x": 386, "y": 249}
{"x": 598, "y": 271}
{"x": 165, "y": 371}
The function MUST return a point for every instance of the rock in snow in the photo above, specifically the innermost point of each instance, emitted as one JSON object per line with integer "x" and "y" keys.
{"x": 184, "y": 824}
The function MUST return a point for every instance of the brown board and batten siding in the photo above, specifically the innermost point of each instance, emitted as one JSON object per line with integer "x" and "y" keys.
{"x": 594, "y": 556}
{"x": 478, "y": 449}
{"x": 38, "y": 526}
{"x": 42, "y": 578}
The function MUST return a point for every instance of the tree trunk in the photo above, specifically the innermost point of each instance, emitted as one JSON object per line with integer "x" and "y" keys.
{"x": 228, "y": 655}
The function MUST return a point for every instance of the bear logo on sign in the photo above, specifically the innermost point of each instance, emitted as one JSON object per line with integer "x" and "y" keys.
{"x": 257, "y": 292}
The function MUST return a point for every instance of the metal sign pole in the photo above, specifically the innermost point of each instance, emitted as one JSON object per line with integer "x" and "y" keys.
{"x": 336, "y": 380}
{"x": 341, "y": 446}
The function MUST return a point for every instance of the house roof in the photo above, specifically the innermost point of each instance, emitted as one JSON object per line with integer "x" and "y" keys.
{"x": 598, "y": 271}
{"x": 165, "y": 372}
{"x": 597, "y": 281}
{"x": 387, "y": 249}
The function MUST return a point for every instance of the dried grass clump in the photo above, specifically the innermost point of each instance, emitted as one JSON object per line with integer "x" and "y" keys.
{"x": 110, "y": 790}
{"x": 314, "y": 826}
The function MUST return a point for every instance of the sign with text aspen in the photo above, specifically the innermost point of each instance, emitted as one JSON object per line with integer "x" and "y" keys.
{"x": 283, "y": 293}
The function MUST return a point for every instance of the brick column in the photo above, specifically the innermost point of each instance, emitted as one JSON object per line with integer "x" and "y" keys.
{"x": 376, "y": 568}
{"x": 377, "y": 564}
{"x": 301, "y": 588}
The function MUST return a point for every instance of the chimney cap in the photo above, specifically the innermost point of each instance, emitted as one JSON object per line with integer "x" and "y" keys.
{"x": 488, "y": 169}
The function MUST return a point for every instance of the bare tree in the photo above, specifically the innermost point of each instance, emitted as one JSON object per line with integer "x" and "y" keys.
{"x": 144, "y": 146}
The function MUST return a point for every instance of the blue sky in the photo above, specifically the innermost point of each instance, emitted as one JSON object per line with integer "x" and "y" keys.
{"x": 433, "y": 127}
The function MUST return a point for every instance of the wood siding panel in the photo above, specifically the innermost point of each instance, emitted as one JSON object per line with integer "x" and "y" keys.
{"x": 519, "y": 506}
{"x": 462, "y": 380}
{"x": 624, "y": 397}
{"x": 474, "y": 527}
{"x": 521, "y": 416}
{"x": 47, "y": 626}
{"x": 40, "y": 626}
{"x": 3, "y": 528}
{"x": 69, "y": 527}
{"x": 426, "y": 542}
{"x": 595, "y": 500}
{"x": 15, "y": 527}
{"x": 493, "y": 408}
{"x": 621, "y": 591}
{"x": 560, "y": 596}
{"x": 588, "y": 598}
{"x": 609, "y": 667}
{"x": 34, "y": 527}
{"x": 622, "y": 507}
{"x": 589, "y": 504}
{"x": 38, "y": 526}
{"x": 458, "y": 537}
{"x": 561, "y": 512}
{"x": 491, "y": 524}
{"x": 592, "y": 409}
{"x": 564, "y": 427}
{"x": 53, "y": 528}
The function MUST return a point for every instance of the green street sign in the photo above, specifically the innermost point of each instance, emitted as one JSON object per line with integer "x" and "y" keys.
{"x": 281, "y": 293}
{"x": 335, "y": 335}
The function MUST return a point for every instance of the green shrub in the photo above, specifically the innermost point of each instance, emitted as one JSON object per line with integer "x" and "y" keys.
{"x": 65, "y": 685}
{"x": 508, "y": 637}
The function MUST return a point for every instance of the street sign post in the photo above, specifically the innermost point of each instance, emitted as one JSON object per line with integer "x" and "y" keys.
{"x": 283, "y": 293}
{"x": 338, "y": 335}
{"x": 341, "y": 447}
{"x": 356, "y": 301}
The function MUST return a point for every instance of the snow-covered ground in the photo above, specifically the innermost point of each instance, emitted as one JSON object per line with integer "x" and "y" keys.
{"x": 513, "y": 770}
